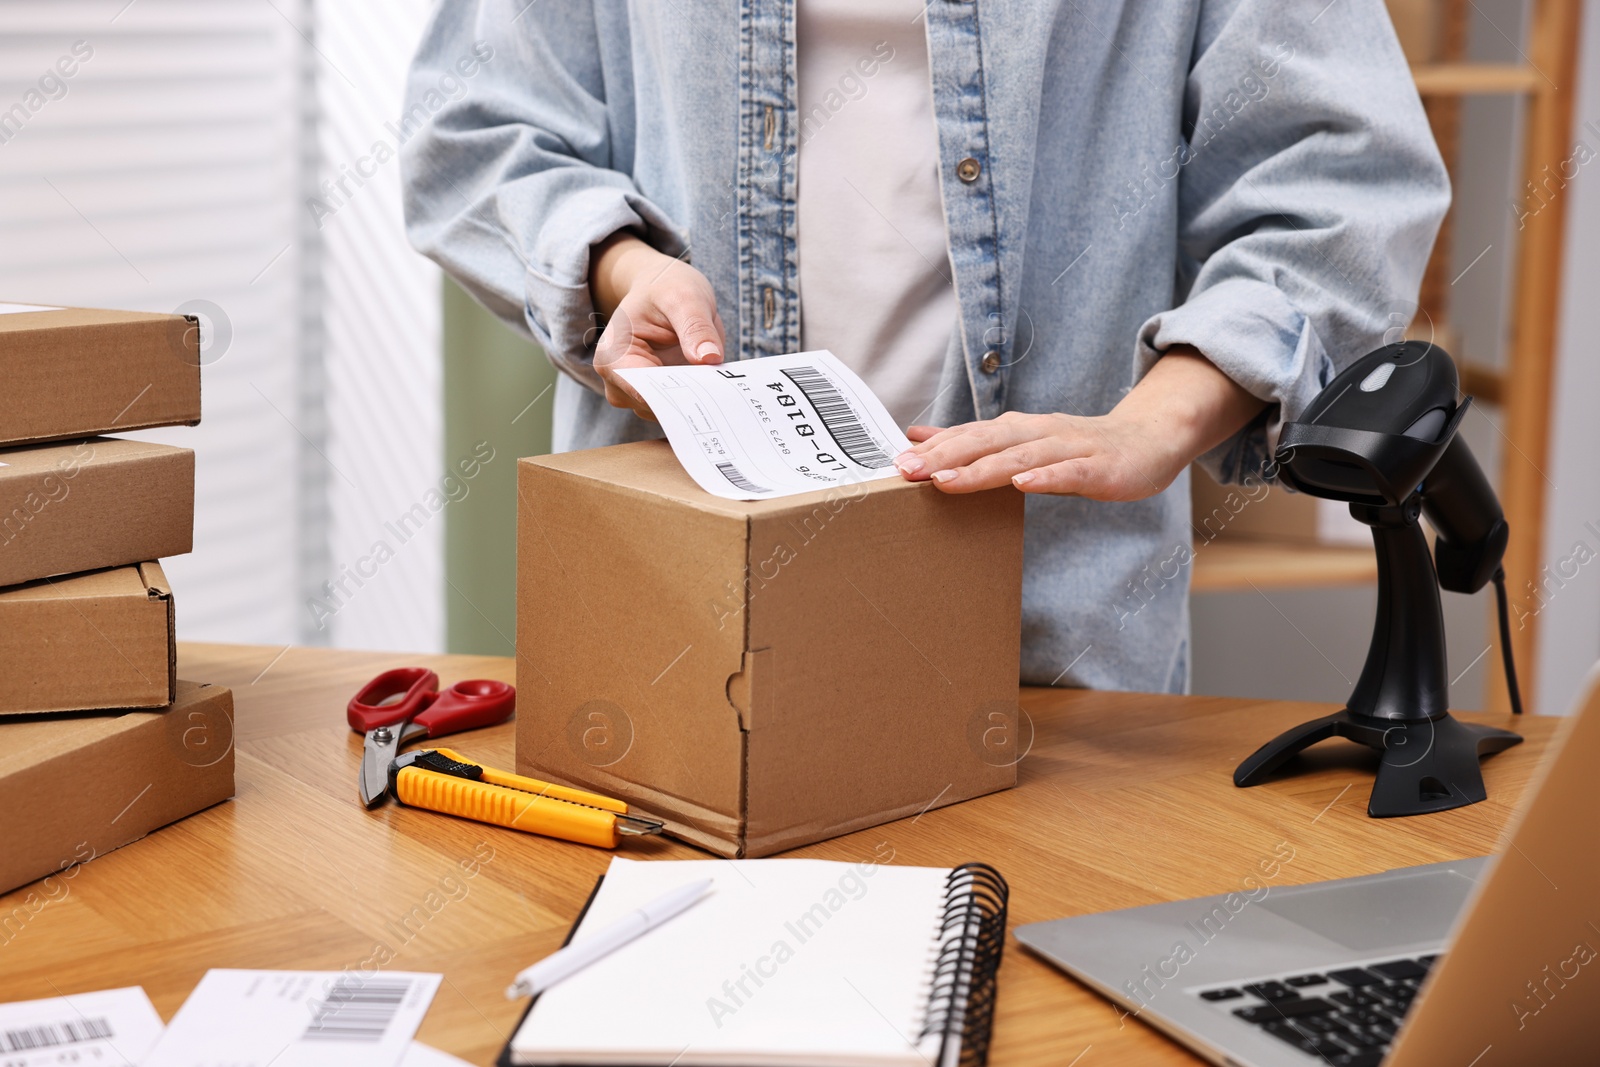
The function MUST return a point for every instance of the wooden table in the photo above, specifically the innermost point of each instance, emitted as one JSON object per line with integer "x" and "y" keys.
{"x": 1125, "y": 799}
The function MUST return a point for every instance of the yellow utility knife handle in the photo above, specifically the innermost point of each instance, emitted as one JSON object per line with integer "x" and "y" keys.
{"x": 534, "y": 785}
{"x": 493, "y": 803}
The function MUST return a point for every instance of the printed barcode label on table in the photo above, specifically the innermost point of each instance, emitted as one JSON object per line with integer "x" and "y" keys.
{"x": 740, "y": 482}
{"x": 53, "y": 1035}
{"x": 839, "y": 417}
{"x": 356, "y": 1010}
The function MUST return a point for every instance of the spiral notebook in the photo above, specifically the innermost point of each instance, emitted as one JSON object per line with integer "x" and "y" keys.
{"x": 785, "y": 963}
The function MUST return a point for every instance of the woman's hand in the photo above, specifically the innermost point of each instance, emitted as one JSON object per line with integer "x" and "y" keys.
{"x": 1184, "y": 407}
{"x": 1105, "y": 458}
{"x": 660, "y": 311}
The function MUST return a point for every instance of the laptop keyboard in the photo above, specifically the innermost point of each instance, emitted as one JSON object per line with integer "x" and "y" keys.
{"x": 1345, "y": 1018}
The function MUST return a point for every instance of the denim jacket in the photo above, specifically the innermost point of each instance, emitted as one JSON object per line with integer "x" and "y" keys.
{"x": 1255, "y": 178}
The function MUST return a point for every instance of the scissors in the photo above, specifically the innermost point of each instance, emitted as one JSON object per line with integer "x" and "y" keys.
{"x": 404, "y": 704}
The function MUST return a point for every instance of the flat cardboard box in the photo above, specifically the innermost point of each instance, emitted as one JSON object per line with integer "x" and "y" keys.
{"x": 74, "y": 372}
{"x": 87, "y": 642}
{"x": 767, "y": 674}
{"x": 74, "y": 788}
{"x": 102, "y": 502}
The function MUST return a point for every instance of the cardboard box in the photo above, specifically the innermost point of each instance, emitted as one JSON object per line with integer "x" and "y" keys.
{"x": 763, "y": 675}
{"x": 74, "y": 372}
{"x": 73, "y": 788}
{"x": 88, "y": 641}
{"x": 102, "y": 502}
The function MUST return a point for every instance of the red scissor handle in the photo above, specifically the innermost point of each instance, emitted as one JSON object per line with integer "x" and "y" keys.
{"x": 467, "y": 706}
{"x": 392, "y": 697}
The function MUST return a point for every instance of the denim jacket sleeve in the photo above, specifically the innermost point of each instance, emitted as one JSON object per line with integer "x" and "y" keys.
{"x": 507, "y": 186}
{"x": 1306, "y": 230}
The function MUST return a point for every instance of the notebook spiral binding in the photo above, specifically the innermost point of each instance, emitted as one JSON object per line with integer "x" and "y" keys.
{"x": 971, "y": 937}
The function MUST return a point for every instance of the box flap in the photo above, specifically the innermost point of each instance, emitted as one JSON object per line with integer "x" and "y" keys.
{"x": 125, "y": 582}
{"x": 59, "y": 456}
{"x": 641, "y": 467}
{"x": 30, "y": 739}
{"x": 68, "y": 318}
{"x": 155, "y": 581}
{"x": 40, "y": 736}
{"x": 651, "y": 468}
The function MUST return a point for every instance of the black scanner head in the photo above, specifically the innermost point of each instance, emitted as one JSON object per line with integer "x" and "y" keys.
{"x": 1377, "y": 429}
{"x": 1408, "y": 388}
{"x": 1384, "y": 431}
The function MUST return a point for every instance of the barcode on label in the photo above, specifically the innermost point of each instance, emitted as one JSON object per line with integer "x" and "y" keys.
{"x": 53, "y": 1035}
{"x": 356, "y": 1010}
{"x": 740, "y": 482}
{"x": 839, "y": 417}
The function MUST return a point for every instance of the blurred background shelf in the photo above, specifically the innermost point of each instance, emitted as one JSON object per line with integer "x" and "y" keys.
{"x": 1465, "y": 79}
{"x": 1232, "y": 566}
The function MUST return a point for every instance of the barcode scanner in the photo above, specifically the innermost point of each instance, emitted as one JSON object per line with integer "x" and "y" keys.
{"x": 1406, "y": 391}
{"x": 1382, "y": 436}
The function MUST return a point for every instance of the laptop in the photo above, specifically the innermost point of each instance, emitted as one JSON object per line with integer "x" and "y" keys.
{"x": 1485, "y": 962}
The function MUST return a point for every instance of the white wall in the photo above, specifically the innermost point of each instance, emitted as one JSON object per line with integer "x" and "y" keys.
{"x": 381, "y": 304}
{"x": 1569, "y": 626}
{"x": 167, "y": 174}
{"x": 179, "y": 166}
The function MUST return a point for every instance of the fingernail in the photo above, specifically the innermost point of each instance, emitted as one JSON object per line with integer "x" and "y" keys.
{"x": 1022, "y": 479}
{"x": 706, "y": 351}
{"x": 909, "y": 463}
{"x": 942, "y": 476}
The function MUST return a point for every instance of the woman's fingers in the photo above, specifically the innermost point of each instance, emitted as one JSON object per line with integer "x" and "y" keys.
{"x": 619, "y": 394}
{"x": 693, "y": 316}
{"x": 960, "y": 446}
{"x": 1068, "y": 477}
{"x": 1110, "y": 457}
{"x": 999, "y": 468}
{"x": 667, "y": 315}
{"x": 1100, "y": 476}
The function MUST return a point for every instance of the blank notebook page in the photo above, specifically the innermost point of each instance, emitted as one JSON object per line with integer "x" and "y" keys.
{"x": 785, "y": 962}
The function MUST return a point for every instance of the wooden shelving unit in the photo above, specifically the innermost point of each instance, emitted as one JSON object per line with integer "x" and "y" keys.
{"x": 1233, "y": 566}
{"x": 1467, "y": 79}
{"x": 1520, "y": 388}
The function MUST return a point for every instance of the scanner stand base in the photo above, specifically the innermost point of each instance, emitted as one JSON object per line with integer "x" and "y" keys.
{"x": 1424, "y": 765}
{"x": 1429, "y": 760}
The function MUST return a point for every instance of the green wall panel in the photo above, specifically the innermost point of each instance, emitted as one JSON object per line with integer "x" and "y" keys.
{"x": 498, "y": 394}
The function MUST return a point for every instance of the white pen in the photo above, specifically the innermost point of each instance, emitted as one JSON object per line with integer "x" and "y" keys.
{"x": 574, "y": 958}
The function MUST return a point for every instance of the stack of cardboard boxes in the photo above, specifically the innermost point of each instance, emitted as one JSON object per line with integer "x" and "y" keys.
{"x": 102, "y": 742}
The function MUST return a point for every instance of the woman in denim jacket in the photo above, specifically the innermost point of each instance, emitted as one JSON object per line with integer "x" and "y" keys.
{"x": 1098, "y": 240}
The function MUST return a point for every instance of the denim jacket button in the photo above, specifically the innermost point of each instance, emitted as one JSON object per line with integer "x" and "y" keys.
{"x": 990, "y": 362}
{"x": 968, "y": 170}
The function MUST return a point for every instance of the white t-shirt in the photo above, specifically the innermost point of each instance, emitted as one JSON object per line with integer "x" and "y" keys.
{"x": 875, "y": 280}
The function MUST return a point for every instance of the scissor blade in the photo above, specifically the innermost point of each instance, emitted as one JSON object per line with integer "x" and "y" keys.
{"x": 376, "y": 755}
